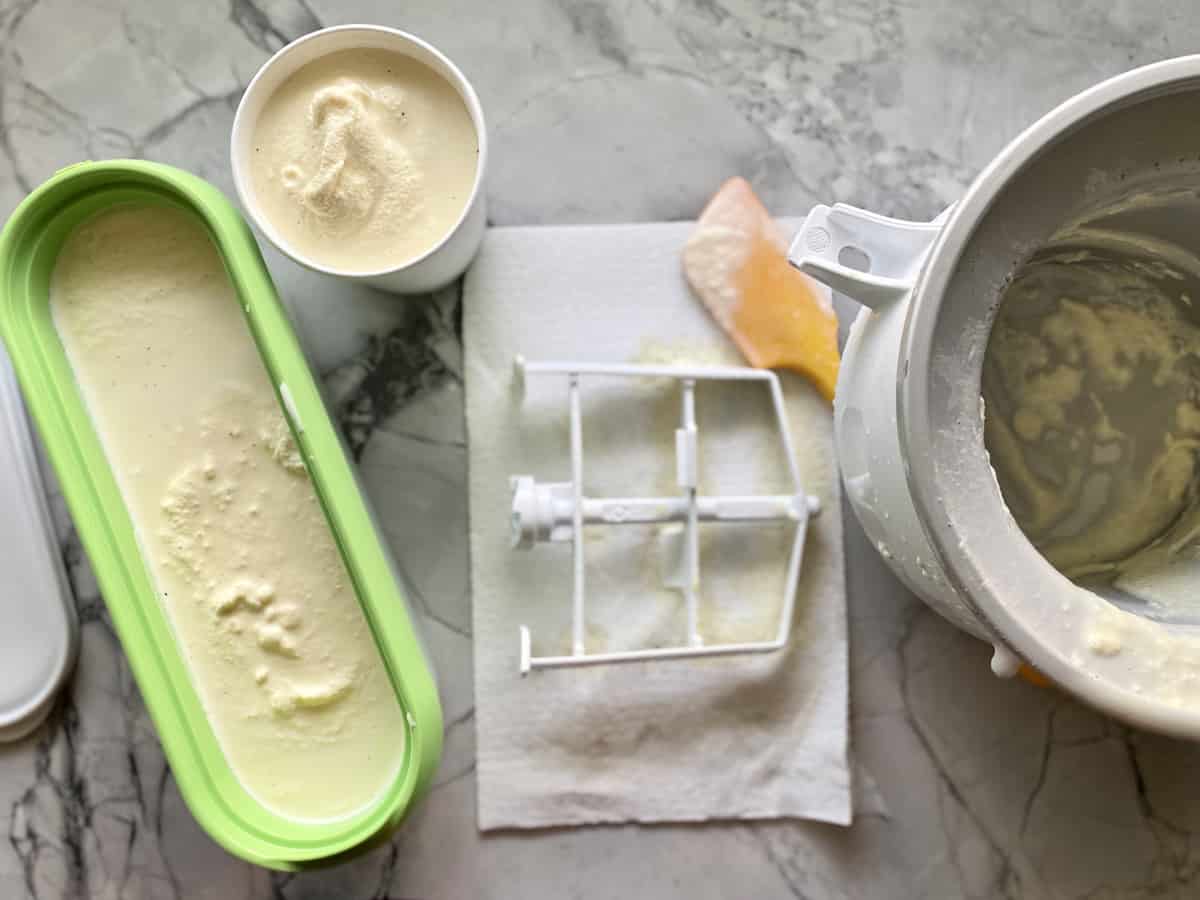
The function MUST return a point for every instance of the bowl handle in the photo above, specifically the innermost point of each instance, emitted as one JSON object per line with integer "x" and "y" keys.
{"x": 870, "y": 258}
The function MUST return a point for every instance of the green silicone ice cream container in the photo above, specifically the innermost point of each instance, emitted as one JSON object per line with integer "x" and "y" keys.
{"x": 29, "y": 246}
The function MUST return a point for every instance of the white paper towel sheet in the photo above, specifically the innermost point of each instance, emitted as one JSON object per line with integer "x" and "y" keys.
{"x": 739, "y": 737}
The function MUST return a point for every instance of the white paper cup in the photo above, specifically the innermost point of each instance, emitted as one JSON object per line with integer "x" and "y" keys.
{"x": 447, "y": 259}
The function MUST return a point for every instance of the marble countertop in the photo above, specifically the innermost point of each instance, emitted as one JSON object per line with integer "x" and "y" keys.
{"x": 601, "y": 111}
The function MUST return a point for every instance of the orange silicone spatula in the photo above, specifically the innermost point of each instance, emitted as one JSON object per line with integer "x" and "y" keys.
{"x": 736, "y": 263}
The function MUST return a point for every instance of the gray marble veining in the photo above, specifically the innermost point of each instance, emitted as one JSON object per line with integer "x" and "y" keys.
{"x": 608, "y": 110}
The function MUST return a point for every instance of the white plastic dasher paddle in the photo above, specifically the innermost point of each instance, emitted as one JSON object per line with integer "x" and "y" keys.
{"x": 559, "y": 511}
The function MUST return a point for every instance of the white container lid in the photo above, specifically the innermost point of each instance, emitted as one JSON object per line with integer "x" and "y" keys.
{"x": 39, "y": 631}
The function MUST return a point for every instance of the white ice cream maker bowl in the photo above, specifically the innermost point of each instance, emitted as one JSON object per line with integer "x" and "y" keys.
{"x": 914, "y": 460}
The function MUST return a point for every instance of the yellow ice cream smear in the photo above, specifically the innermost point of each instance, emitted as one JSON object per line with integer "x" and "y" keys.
{"x": 364, "y": 159}
{"x": 1091, "y": 382}
{"x": 240, "y": 552}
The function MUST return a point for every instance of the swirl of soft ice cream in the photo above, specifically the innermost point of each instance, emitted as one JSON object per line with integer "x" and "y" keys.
{"x": 345, "y": 184}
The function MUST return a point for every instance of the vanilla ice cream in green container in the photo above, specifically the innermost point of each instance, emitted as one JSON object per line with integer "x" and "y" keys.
{"x": 252, "y": 592}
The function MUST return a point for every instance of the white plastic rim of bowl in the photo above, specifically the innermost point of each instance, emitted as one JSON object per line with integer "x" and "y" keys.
{"x": 443, "y": 262}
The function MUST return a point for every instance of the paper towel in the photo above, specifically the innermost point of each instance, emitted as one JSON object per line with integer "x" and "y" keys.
{"x": 738, "y": 737}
